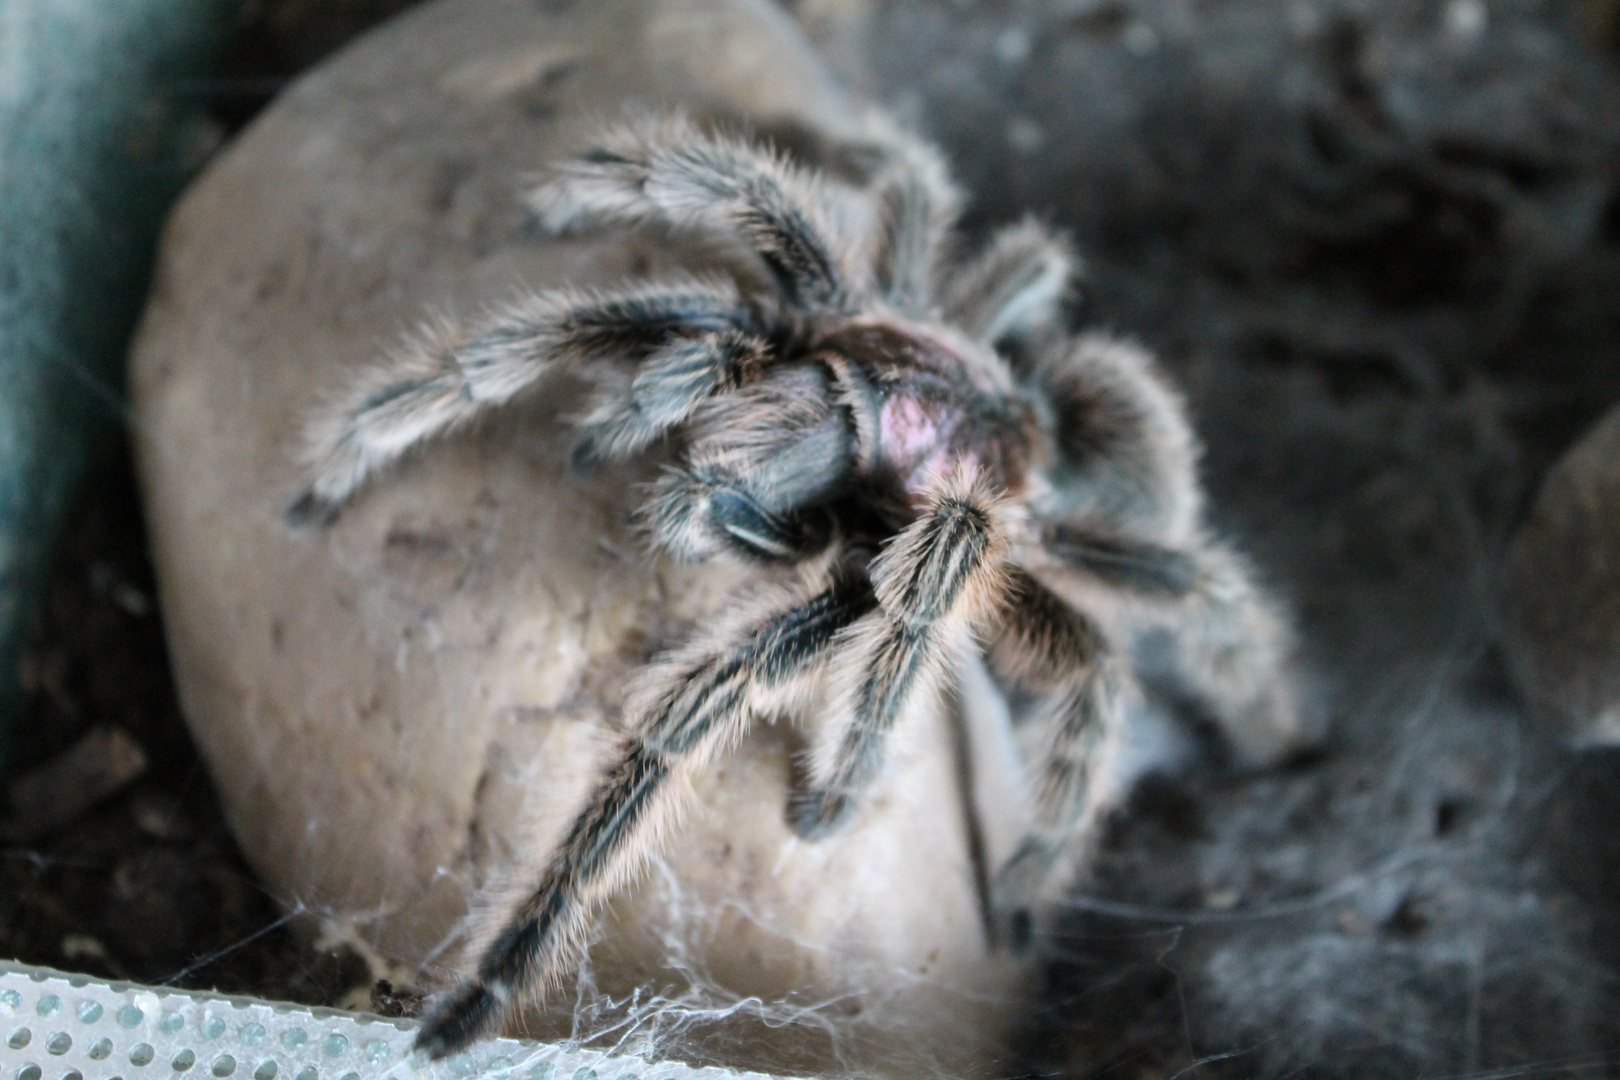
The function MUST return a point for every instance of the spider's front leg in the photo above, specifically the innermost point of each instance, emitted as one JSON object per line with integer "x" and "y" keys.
{"x": 671, "y": 173}
{"x": 687, "y": 707}
{"x": 940, "y": 577}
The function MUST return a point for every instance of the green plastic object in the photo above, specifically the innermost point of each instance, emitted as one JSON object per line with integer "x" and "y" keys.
{"x": 101, "y": 122}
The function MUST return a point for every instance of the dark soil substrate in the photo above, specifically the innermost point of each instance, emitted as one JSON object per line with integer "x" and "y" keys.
{"x": 148, "y": 885}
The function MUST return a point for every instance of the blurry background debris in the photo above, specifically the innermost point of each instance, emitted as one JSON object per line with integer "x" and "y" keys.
{"x": 1379, "y": 242}
{"x": 56, "y": 793}
{"x": 275, "y": 39}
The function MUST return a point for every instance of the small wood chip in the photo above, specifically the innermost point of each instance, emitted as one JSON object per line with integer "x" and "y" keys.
{"x": 57, "y": 793}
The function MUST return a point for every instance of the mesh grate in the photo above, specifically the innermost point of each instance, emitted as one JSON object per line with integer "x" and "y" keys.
{"x": 55, "y": 1026}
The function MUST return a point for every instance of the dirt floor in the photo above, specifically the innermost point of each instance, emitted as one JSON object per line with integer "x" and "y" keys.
{"x": 146, "y": 884}
{"x": 1379, "y": 244}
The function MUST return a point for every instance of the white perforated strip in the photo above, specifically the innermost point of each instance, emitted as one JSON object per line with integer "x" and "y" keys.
{"x": 55, "y": 1026}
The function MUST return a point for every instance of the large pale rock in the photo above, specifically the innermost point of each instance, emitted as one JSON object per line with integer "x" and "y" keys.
{"x": 402, "y": 710}
{"x": 1564, "y": 589}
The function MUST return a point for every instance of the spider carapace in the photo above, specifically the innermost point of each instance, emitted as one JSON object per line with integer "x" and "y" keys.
{"x": 936, "y": 406}
{"x": 938, "y": 465}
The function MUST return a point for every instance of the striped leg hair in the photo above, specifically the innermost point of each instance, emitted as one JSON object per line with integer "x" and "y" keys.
{"x": 1047, "y": 649}
{"x": 935, "y": 581}
{"x": 1016, "y": 287}
{"x": 670, "y": 172}
{"x": 688, "y": 706}
{"x": 918, "y": 209}
{"x": 694, "y": 336}
{"x": 1233, "y": 641}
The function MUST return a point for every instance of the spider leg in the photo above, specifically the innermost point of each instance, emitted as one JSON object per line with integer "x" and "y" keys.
{"x": 1135, "y": 566}
{"x": 1046, "y": 648}
{"x": 448, "y": 378}
{"x": 1123, "y": 452}
{"x": 688, "y": 707}
{"x": 629, "y": 413}
{"x": 759, "y": 458}
{"x": 1233, "y": 650}
{"x": 669, "y": 172}
{"x": 1232, "y": 643}
{"x": 939, "y": 577}
{"x": 1126, "y": 455}
{"x": 919, "y": 207}
{"x": 1015, "y": 288}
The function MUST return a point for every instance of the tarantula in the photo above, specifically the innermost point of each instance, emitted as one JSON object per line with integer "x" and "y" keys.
{"x": 938, "y": 463}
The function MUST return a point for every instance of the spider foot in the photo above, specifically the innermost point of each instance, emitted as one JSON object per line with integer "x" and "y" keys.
{"x": 816, "y": 815}
{"x": 457, "y": 1020}
{"x": 586, "y": 457}
{"x": 311, "y": 511}
{"x": 1014, "y": 929}
{"x": 1017, "y": 893}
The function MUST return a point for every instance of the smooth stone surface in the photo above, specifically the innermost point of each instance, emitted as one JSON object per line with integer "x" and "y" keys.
{"x": 403, "y": 710}
{"x": 1563, "y": 589}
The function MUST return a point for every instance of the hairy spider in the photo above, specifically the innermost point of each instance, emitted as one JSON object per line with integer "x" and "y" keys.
{"x": 941, "y": 466}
